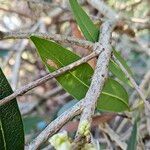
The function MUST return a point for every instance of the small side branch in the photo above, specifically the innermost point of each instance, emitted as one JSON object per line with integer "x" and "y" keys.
{"x": 55, "y": 37}
{"x": 42, "y": 80}
{"x": 137, "y": 88}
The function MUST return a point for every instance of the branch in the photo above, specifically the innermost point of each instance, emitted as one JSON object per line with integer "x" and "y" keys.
{"x": 99, "y": 77}
{"x": 17, "y": 65}
{"x": 107, "y": 11}
{"x": 113, "y": 136}
{"x": 131, "y": 5}
{"x": 103, "y": 8}
{"x": 139, "y": 91}
{"x": 142, "y": 85}
{"x": 40, "y": 81}
{"x": 55, "y": 37}
{"x": 55, "y": 125}
{"x": 137, "y": 88}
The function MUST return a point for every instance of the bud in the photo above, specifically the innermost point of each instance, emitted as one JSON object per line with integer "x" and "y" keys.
{"x": 84, "y": 128}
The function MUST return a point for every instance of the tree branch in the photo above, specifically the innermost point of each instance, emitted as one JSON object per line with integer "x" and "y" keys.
{"x": 99, "y": 77}
{"x": 103, "y": 8}
{"x": 56, "y": 73}
{"x": 55, "y": 37}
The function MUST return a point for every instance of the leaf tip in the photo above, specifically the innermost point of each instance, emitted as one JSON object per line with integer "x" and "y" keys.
{"x": 33, "y": 37}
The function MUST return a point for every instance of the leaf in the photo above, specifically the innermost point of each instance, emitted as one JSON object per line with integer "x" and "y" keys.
{"x": 90, "y": 31}
{"x": 11, "y": 126}
{"x": 115, "y": 70}
{"x": 122, "y": 61}
{"x": 113, "y": 96}
{"x": 133, "y": 138}
{"x": 77, "y": 81}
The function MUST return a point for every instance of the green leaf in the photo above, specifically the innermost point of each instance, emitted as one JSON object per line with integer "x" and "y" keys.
{"x": 91, "y": 33}
{"x": 11, "y": 126}
{"x": 115, "y": 70}
{"x": 113, "y": 96}
{"x": 122, "y": 61}
{"x": 77, "y": 81}
{"x": 133, "y": 138}
{"x": 87, "y": 27}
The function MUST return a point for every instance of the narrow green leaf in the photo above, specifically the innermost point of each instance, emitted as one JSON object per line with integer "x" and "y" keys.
{"x": 87, "y": 27}
{"x": 115, "y": 70}
{"x": 113, "y": 96}
{"x": 91, "y": 33}
{"x": 11, "y": 126}
{"x": 133, "y": 138}
{"x": 77, "y": 81}
{"x": 122, "y": 61}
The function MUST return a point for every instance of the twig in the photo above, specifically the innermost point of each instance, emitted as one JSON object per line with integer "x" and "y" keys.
{"x": 103, "y": 8}
{"x": 99, "y": 77}
{"x": 113, "y": 136}
{"x": 142, "y": 85}
{"x": 137, "y": 88}
{"x": 21, "y": 48}
{"x": 55, "y": 37}
{"x": 139, "y": 91}
{"x": 55, "y": 125}
{"x": 16, "y": 69}
{"x": 56, "y": 73}
{"x": 132, "y": 5}
{"x": 111, "y": 14}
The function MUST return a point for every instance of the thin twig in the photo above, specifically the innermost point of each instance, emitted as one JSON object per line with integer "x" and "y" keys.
{"x": 139, "y": 91}
{"x": 18, "y": 58}
{"x": 22, "y": 46}
{"x": 40, "y": 81}
{"x": 103, "y": 8}
{"x": 100, "y": 75}
{"x": 142, "y": 85}
{"x": 113, "y": 136}
{"x": 137, "y": 88}
{"x": 55, "y": 37}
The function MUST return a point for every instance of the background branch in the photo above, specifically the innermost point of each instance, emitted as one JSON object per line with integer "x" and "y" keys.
{"x": 55, "y": 37}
